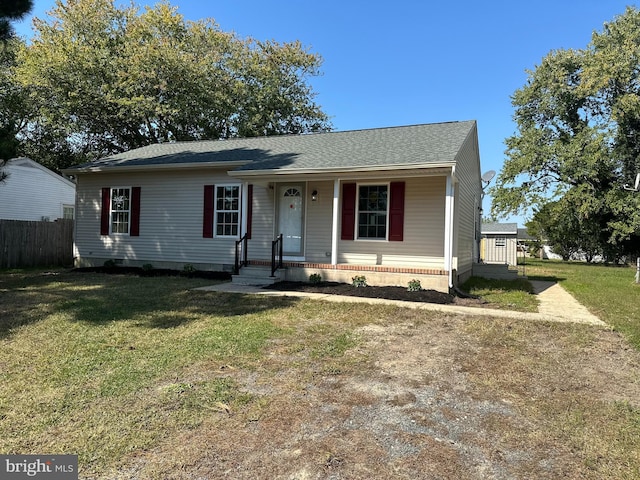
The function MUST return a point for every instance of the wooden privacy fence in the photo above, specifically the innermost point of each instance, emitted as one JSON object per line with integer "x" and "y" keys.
{"x": 36, "y": 244}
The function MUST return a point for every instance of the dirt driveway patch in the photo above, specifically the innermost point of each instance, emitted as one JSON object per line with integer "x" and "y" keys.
{"x": 423, "y": 395}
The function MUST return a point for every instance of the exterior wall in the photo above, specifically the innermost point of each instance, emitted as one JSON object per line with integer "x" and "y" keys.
{"x": 423, "y": 242}
{"x": 468, "y": 198}
{"x": 262, "y": 224}
{"x": 32, "y": 192}
{"x": 171, "y": 221}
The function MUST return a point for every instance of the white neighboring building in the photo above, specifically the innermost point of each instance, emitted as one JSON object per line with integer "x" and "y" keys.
{"x": 32, "y": 192}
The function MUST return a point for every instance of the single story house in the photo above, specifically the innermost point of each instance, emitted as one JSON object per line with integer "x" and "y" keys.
{"x": 499, "y": 243}
{"x": 392, "y": 204}
{"x": 32, "y": 192}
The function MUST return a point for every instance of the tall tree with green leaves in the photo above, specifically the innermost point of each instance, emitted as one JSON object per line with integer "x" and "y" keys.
{"x": 578, "y": 121}
{"x": 10, "y": 11}
{"x": 108, "y": 78}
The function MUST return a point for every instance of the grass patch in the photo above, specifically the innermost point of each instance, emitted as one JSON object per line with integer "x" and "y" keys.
{"x": 504, "y": 294}
{"x": 609, "y": 292}
{"x": 105, "y": 366}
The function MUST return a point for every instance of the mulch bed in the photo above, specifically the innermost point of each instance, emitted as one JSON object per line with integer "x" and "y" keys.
{"x": 387, "y": 292}
{"x": 156, "y": 272}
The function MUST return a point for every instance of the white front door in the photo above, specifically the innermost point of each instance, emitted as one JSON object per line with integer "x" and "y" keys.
{"x": 290, "y": 218}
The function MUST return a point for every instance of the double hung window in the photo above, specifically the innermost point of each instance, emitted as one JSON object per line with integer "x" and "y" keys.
{"x": 120, "y": 209}
{"x": 372, "y": 212}
{"x": 227, "y": 210}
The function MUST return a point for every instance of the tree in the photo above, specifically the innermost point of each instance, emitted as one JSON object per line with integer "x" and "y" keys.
{"x": 578, "y": 138}
{"x": 12, "y": 10}
{"x": 109, "y": 79}
{"x": 557, "y": 225}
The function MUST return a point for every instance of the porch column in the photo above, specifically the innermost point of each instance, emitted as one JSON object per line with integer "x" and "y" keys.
{"x": 334, "y": 222}
{"x": 448, "y": 228}
{"x": 244, "y": 209}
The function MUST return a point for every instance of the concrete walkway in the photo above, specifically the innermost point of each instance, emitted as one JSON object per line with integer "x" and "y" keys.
{"x": 556, "y": 305}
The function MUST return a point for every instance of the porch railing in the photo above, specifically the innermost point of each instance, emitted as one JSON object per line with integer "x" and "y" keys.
{"x": 241, "y": 249}
{"x": 276, "y": 254}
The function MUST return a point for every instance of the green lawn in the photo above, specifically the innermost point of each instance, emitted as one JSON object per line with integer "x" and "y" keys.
{"x": 105, "y": 365}
{"x": 115, "y": 367}
{"x": 610, "y": 292}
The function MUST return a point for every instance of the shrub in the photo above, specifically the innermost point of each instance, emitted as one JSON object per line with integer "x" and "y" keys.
{"x": 359, "y": 281}
{"x": 188, "y": 268}
{"x": 110, "y": 263}
{"x": 147, "y": 267}
{"x": 315, "y": 278}
{"x": 414, "y": 285}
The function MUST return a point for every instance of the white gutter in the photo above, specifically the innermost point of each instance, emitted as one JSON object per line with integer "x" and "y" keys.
{"x": 339, "y": 170}
{"x": 156, "y": 166}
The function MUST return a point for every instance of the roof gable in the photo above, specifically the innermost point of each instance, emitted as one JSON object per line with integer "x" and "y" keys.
{"x": 428, "y": 144}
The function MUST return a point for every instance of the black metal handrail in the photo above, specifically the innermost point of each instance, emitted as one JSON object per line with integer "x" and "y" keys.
{"x": 241, "y": 262}
{"x": 276, "y": 245}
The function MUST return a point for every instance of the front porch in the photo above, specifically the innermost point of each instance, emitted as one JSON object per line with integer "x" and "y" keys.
{"x": 295, "y": 271}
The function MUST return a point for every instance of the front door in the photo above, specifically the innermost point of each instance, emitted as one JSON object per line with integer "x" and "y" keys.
{"x": 290, "y": 218}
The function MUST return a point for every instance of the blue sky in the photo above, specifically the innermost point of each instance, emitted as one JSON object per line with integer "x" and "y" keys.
{"x": 413, "y": 61}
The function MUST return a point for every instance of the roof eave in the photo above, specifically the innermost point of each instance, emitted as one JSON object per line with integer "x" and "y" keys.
{"x": 351, "y": 169}
{"x": 142, "y": 168}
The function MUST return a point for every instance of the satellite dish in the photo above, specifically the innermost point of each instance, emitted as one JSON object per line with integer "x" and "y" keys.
{"x": 488, "y": 176}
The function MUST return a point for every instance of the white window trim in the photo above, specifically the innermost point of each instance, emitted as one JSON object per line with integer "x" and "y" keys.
{"x": 357, "y": 226}
{"x": 215, "y": 209}
{"x": 111, "y": 210}
{"x": 501, "y": 242}
{"x": 70, "y": 206}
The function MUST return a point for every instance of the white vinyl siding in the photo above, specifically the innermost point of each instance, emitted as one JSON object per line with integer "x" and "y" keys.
{"x": 318, "y": 225}
{"x": 422, "y": 246}
{"x": 467, "y": 203}
{"x": 33, "y": 193}
{"x": 171, "y": 219}
{"x": 262, "y": 224}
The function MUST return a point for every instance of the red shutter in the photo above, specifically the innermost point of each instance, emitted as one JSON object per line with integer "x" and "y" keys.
{"x": 104, "y": 212}
{"x": 207, "y": 221}
{"x": 348, "y": 211}
{"x": 249, "y": 209}
{"x": 396, "y": 212}
{"x": 134, "y": 229}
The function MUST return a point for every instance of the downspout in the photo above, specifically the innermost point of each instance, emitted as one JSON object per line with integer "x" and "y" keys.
{"x": 449, "y": 229}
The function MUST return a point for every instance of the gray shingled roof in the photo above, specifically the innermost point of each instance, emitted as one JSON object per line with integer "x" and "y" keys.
{"x": 495, "y": 227}
{"x": 435, "y": 143}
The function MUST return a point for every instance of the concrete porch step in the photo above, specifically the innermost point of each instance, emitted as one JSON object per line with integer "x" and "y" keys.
{"x": 257, "y": 276}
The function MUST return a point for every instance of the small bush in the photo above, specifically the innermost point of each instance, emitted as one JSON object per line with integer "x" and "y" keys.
{"x": 315, "y": 278}
{"x": 414, "y": 285}
{"x": 110, "y": 263}
{"x": 188, "y": 268}
{"x": 359, "y": 281}
{"x": 147, "y": 267}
